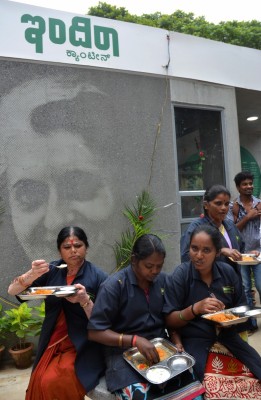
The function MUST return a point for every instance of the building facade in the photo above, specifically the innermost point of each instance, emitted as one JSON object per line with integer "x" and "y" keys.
{"x": 94, "y": 111}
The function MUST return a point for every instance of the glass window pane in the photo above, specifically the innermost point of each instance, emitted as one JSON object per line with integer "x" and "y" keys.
{"x": 199, "y": 148}
{"x": 191, "y": 206}
{"x": 184, "y": 227}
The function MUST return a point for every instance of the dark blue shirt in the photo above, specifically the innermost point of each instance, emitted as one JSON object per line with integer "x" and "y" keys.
{"x": 185, "y": 287}
{"x": 232, "y": 231}
{"x": 122, "y": 306}
{"x": 89, "y": 363}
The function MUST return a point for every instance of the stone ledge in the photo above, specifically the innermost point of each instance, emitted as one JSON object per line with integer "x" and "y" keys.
{"x": 100, "y": 392}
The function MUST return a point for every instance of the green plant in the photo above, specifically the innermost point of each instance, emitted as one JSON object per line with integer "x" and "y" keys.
{"x": 24, "y": 322}
{"x": 38, "y": 314}
{"x": 140, "y": 218}
{"x": 3, "y": 325}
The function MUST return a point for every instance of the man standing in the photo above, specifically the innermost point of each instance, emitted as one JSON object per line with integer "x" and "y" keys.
{"x": 246, "y": 211}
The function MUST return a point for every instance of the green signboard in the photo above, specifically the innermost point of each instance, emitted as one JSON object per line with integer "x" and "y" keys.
{"x": 248, "y": 163}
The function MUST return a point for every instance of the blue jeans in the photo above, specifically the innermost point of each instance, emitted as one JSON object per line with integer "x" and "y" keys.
{"x": 246, "y": 277}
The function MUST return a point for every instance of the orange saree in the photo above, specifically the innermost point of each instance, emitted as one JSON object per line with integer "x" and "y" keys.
{"x": 54, "y": 377}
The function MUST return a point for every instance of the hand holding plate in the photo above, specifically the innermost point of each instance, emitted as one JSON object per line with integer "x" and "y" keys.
{"x": 80, "y": 296}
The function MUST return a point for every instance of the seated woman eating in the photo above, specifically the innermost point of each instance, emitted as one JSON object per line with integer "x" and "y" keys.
{"x": 129, "y": 312}
{"x": 204, "y": 285}
{"x": 216, "y": 203}
{"x": 67, "y": 365}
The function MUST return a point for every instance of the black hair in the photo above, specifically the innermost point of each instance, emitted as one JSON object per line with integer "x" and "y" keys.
{"x": 146, "y": 245}
{"x": 210, "y": 231}
{"x": 213, "y": 192}
{"x": 242, "y": 176}
{"x": 71, "y": 231}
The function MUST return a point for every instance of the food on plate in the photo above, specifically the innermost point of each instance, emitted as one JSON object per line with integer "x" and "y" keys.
{"x": 142, "y": 366}
{"x": 158, "y": 374}
{"x": 163, "y": 354}
{"x": 221, "y": 317}
{"x": 42, "y": 291}
{"x": 247, "y": 258}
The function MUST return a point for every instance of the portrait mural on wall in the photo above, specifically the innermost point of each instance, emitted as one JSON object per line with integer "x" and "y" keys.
{"x": 54, "y": 131}
{"x": 76, "y": 147}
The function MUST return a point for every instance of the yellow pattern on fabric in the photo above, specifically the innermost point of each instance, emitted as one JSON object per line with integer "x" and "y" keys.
{"x": 222, "y": 229}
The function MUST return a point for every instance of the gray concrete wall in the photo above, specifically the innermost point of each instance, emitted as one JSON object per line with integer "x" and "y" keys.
{"x": 77, "y": 144}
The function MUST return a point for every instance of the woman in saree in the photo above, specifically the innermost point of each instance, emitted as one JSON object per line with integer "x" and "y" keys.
{"x": 67, "y": 365}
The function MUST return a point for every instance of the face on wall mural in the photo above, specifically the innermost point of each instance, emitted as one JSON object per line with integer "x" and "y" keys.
{"x": 54, "y": 174}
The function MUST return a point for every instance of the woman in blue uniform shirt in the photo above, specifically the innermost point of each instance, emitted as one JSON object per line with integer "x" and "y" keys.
{"x": 216, "y": 202}
{"x": 205, "y": 285}
{"x": 128, "y": 312}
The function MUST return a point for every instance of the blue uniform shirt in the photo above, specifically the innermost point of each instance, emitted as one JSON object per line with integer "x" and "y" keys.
{"x": 185, "y": 287}
{"x": 121, "y": 305}
{"x": 89, "y": 363}
{"x": 232, "y": 231}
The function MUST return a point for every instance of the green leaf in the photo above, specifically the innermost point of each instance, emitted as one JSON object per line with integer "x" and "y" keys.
{"x": 140, "y": 217}
{"x": 24, "y": 321}
{"x": 242, "y": 33}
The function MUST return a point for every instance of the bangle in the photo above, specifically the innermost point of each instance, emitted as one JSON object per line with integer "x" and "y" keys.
{"x": 85, "y": 304}
{"x": 120, "y": 339}
{"x": 134, "y": 340}
{"x": 193, "y": 312}
{"x": 182, "y": 318}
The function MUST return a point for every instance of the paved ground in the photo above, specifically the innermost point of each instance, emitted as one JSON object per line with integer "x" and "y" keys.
{"x": 13, "y": 382}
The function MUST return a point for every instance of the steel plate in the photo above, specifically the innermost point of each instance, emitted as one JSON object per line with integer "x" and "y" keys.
{"x": 236, "y": 321}
{"x": 256, "y": 313}
{"x": 140, "y": 364}
{"x": 249, "y": 262}
{"x": 58, "y": 291}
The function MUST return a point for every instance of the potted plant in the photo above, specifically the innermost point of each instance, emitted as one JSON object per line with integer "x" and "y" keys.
{"x": 24, "y": 322}
{"x": 3, "y": 331}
